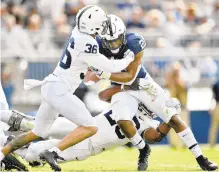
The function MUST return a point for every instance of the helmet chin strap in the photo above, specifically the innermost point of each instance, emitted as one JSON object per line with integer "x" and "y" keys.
{"x": 115, "y": 51}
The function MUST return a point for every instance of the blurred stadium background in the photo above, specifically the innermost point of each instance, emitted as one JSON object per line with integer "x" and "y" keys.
{"x": 182, "y": 45}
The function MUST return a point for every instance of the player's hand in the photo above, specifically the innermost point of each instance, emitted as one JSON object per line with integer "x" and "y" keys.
{"x": 172, "y": 106}
{"x": 100, "y": 74}
{"x": 149, "y": 86}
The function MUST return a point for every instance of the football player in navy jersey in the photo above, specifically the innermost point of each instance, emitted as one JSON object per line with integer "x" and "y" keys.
{"x": 140, "y": 87}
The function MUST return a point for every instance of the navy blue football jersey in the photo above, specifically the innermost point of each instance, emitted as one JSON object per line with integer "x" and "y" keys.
{"x": 134, "y": 42}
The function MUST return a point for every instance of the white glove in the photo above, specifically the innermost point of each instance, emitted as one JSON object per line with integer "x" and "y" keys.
{"x": 172, "y": 107}
{"x": 100, "y": 74}
{"x": 148, "y": 85}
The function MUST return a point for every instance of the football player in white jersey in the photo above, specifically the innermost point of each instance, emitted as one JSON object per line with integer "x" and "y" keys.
{"x": 108, "y": 136}
{"x": 146, "y": 91}
{"x": 81, "y": 52}
{"x": 10, "y": 117}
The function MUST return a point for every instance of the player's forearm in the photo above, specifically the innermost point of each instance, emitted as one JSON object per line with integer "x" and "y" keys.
{"x": 122, "y": 77}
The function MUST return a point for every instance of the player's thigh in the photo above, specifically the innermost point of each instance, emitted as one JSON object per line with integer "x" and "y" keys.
{"x": 56, "y": 132}
{"x": 60, "y": 97}
{"x": 45, "y": 117}
{"x": 124, "y": 106}
{"x": 79, "y": 151}
{"x": 75, "y": 110}
{"x": 35, "y": 149}
{"x": 154, "y": 104}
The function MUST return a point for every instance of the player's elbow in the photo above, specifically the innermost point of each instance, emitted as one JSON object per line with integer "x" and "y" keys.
{"x": 104, "y": 96}
{"x": 129, "y": 77}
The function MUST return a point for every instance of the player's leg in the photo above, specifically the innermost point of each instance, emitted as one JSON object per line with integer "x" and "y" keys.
{"x": 73, "y": 109}
{"x": 14, "y": 119}
{"x": 44, "y": 119}
{"x": 57, "y": 133}
{"x": 124, "y": 107}
{"x": 167, "y": 109}
{"x": 74, "y": 153}
{"x": 3, "y": 102}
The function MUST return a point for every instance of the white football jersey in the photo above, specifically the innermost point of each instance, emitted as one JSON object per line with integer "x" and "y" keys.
{"x": 109, "y": 134}
{"x": 82, "y": 51}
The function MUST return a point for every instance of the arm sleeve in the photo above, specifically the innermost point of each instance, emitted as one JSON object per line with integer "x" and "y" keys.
{"x": 101, "y": 62}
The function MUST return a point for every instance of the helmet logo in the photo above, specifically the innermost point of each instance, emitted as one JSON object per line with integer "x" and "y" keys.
{"x": 111, "y": 30}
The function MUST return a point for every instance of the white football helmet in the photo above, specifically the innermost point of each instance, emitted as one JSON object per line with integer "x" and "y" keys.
{"x": 114, "y": 39}
{"x": 92, "y": 20}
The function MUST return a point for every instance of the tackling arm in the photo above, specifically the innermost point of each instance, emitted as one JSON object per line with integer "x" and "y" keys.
{"x": 102, "y": 63}
{"x": 131, "y": 70}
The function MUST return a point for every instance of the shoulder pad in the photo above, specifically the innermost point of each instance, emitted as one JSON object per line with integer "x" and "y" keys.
{"x": 135, "y": 42}
{"x": 85, "y": 43}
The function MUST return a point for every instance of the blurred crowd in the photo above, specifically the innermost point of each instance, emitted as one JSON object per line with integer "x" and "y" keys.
{"x": 37, "y": 27}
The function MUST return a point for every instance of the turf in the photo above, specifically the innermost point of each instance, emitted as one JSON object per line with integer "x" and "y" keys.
{"x": 125, "y": 159}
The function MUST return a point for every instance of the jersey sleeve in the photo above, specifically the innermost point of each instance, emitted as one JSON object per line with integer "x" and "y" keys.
{"x": 101, "y": 62}
{"x": 89, "y": 53}
{"x": 136, "y": 43}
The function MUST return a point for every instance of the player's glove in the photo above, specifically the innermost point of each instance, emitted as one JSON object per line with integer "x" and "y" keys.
{"x": 148, "y": 85}
{"x": 172, "y": 106}
{"x": 100, "y": 74}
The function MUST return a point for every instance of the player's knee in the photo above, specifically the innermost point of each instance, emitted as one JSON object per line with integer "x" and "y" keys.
{"x": 175, "y": 121}
{"x": 122, "y": 96}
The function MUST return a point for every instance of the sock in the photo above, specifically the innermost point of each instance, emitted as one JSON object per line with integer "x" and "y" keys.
{"x": 189, "y": 140}
{"x": 2, "y": 156}
{"x": 137, "y": 141}
{"x": 55, "y": 149}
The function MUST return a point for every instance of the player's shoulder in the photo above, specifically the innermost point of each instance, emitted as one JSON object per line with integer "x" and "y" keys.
{"x": 82, "y": 41}
{"x": 135, "y": 42}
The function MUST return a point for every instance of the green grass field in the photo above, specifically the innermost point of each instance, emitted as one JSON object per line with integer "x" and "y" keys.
{"x": 124, "y": 159}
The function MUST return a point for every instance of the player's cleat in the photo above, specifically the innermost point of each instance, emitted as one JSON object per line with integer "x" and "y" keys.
{"x": 10, "y": 162}
{"x": 205, "y": 164}
{"x": 51, "y": 158}
{"x": 143, "y": 158}
{"x": 35, "y": 164}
